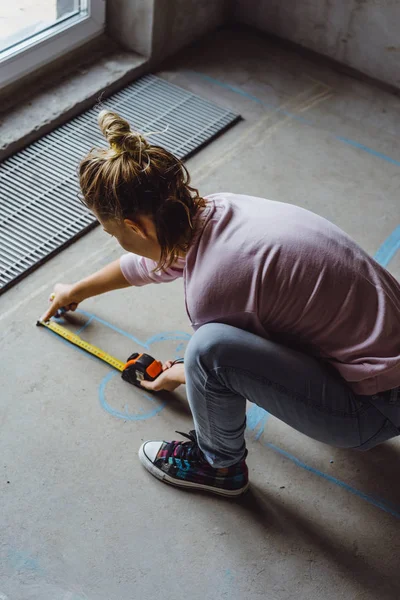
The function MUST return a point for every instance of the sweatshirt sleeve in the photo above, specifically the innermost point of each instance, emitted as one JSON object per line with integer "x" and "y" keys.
{"x": 139, "y": 271}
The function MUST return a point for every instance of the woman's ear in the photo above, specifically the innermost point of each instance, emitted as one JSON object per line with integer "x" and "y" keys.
{"x": 144, "y": 227}
{"x": 137, "y": 228}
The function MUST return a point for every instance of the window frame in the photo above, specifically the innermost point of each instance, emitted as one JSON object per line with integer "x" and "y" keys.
{"x": 48, "y": 45}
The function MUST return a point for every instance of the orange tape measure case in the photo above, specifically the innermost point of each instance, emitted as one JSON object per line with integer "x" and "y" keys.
{"x": 141, "y": 367}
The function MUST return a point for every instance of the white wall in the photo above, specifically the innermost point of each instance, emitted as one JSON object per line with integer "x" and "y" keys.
{"x": 363, "y": 34}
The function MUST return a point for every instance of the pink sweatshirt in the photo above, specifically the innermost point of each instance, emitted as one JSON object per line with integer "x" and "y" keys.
{"x": 286, "y": 274}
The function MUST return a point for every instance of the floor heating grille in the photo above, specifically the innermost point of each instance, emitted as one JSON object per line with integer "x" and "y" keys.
{"x": 39, "y": 210}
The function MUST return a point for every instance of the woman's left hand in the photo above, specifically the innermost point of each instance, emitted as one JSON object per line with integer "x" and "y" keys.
{"x": 173, "y": 376}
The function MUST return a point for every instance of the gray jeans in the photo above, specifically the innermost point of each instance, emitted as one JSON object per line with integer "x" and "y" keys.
{"x": 225, "y": 366}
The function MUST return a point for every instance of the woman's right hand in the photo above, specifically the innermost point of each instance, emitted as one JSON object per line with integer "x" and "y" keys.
{"x": 69, "y": 296}
{"x": 63, "y": 296}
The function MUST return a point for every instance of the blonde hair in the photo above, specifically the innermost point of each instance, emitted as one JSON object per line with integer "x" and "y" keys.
{"x": 133, "y": 178}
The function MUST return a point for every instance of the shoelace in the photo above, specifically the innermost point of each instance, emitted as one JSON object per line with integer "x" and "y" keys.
{"x": 185, "y": 450}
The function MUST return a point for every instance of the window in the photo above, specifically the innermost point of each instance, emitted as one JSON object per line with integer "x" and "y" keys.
{"x": 35, "y": 32}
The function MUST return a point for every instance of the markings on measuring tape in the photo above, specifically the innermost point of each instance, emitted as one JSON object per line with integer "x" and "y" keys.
{"x": 73, "y": 338}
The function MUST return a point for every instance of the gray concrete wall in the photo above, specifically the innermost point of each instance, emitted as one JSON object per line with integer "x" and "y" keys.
{"x": 158, "y": 28}
{"x": 130, "y": 22}
{"x": 179, "y": 22}
{"x": 363, "y": 34}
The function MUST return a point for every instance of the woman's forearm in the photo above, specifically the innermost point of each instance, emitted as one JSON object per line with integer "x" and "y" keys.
{"x": 68, "y": 296}
{"x": 107, "y": 279}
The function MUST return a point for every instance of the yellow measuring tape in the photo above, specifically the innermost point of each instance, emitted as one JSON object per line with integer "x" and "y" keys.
{"x": 78, "y": 341}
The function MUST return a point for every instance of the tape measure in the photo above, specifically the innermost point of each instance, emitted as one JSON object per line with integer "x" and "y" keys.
{"x": 137, "y": 368}
{"x": 78, "y": 341}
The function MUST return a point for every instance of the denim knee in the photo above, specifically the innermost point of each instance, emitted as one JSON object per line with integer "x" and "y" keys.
{"x": 207, "y": 345}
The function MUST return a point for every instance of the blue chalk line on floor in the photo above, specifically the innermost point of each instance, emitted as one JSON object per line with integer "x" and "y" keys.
{"x": 392, "y": 244}
{"x": 370, "y": 499}
{"x": 126, "y": 416}
{"x": 295, "y": 117}
{"x": 256, "y": 416}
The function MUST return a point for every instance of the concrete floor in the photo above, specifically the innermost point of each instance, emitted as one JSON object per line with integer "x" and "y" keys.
{"x": 81, "y": 519}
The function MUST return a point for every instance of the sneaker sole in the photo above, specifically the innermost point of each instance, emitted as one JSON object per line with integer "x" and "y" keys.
{"x": 165, "y": 478}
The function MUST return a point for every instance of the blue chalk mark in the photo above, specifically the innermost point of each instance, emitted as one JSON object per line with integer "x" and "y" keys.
{"x": 84, "y": 326}
{"x": 241, "y": 92}
{"x": 259, "y": 433}
{"x": 123, "y": 415}
{"x": 345, "y": 140}
{"x": 367, "y": 149}
{"x": 179, "y": 350}
{"x": 67, "y": 343}
{"x": 22, "y": 561}
{"x": 59, "y": 320}
{"x": 388, "y": 249}
{"x": 160, "y": 337}
{"x": 256, "y": 416}
{"x": 113, "y": 327}
{"x": 168, "y": 335}
{"x": 390, "y": 246}
{"x": 232, "y": 88}
{"x": 387, "y": 503}
{"x": 370, "y": 499}
{"x": 229, "y": 576}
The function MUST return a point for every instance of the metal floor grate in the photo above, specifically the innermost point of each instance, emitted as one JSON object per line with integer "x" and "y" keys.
{"x": 39, "y": 210}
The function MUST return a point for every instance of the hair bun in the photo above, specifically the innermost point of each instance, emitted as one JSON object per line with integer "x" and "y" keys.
{"x": 120, "y": 136}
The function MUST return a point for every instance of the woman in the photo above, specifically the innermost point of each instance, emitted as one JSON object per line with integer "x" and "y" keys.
{"x": 288, "y": 311}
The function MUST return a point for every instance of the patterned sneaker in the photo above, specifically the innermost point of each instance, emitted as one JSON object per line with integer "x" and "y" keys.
{"x": 183, "y": 464}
